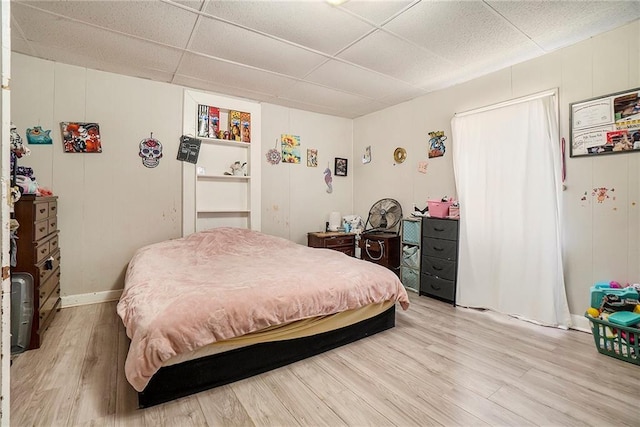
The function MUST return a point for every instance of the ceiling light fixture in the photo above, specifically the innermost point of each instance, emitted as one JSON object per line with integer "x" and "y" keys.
{"x": 336, "y": 2}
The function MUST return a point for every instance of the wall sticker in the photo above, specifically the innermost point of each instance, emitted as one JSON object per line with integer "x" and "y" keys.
{"x": 150, "y": 151}
{"x": 290, "y": 148}
{"x": 37, "y": 135}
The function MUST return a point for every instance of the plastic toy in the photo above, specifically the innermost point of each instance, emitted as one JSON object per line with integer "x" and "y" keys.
{"x": 593, "y": 312}
{"x": 238, "y": 169}
{"x": 599, "y": 291}
{"x": 629, "y": 337}
{"x": 625, "y": 318}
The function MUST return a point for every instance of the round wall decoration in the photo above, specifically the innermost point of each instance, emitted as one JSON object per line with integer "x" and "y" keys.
{"x": 400, "y": 155}
{"x": 273, "y": 155}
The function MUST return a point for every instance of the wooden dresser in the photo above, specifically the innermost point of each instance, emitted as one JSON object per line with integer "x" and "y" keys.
{"x": 39, "y": 255}
{"x": 439, "y": 267}
{"x": 342, "y": 242}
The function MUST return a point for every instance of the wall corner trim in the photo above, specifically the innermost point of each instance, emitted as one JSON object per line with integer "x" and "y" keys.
{"x": 90, "y": 298}
{"x": 580, "y": 323}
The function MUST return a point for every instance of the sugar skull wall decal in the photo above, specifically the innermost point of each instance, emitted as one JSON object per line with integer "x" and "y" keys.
{"x": 150, "y": 151}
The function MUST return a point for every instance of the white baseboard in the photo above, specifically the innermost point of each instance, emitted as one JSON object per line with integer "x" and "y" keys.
{"x": 580, "y": 323}
{"x": 90, "y": 298}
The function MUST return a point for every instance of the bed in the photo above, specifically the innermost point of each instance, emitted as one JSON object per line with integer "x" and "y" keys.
{"x": 228, "y": 303}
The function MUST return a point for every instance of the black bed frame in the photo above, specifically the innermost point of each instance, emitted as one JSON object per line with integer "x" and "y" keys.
{"x": 184, "y": 379}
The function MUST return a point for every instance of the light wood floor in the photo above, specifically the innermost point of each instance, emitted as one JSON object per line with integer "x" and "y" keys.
{"x": 438, "y": 366}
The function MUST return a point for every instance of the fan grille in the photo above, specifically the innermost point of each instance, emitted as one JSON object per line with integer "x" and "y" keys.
{"x": 385, "y": 215}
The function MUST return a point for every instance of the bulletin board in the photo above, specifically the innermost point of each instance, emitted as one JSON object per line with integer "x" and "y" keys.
{"x": 607, "y": 124}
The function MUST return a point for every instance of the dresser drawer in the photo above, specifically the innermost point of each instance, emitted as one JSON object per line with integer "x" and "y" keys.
{"x": 349, "y": 250}
{"x": 439, "y": 248}
{"x": 48, "y": 286}
{"x": 46, "y": 268}
{"x": 433, "y": 286}
{"x": 334, "y": 242}
{"x": 41, "y": 229}
{"x": 53, "y": 244}
{"x": 440, "y": 228}
{"x": 42, "y": 251}
{"x": 40, "y": 211}
{"x": 442, "y": 268}
{"x": 53, "y": 208}
{"x": 53, "y": 224}
{"x": 46, "y": 313}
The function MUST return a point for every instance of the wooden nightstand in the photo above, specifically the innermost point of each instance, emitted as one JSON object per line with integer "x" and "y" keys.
{"x": 342, "y": 242}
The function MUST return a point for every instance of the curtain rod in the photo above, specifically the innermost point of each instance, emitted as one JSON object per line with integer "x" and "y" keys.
{"x": 550, "y": 92}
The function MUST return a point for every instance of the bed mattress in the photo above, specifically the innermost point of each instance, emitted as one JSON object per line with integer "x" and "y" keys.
{"x": 216, "y": 285}
{"x": 298, "y": 329}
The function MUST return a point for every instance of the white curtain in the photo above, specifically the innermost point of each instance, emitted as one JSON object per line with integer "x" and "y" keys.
{"x": 508, "y": 175}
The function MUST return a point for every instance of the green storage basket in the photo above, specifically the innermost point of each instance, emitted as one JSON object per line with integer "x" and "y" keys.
{"x": 411, "y": 231}
{"x": 616, "y": 341}
{"x": 410, "y": 278}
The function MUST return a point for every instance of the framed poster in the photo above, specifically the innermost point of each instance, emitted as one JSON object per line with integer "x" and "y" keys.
{"x": 340, "y": 167}
{"x": 607, "y": 124}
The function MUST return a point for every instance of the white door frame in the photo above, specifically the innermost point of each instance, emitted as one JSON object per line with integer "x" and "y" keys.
{"x": 5, "y": 121}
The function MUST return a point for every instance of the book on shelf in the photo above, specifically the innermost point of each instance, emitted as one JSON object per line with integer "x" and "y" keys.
{"x": 203, "y": 121}
{"x": 234, "y": 125}
{"x": 214, "y": 122}
{"x": 245, "y": 126}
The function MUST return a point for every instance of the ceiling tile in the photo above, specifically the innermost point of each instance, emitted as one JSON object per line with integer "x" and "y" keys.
{"x": 152, "y": 20}
{"x": 310, "y": 93}
{"x": 461, "y": 32}
{"x": 219, "y": 39}
{"x": 192, "y": 4}
{"x": 313, "y": 24}
{"x": 396, "y": 57}
{"x": 308, "y": 107}
{"x": 561, "y": 23}
{"x": 400, "y": 97}
{"x": 375, "y": 11}
{"x": 50, "y": 32}
{"x": 213, "y": 86}
{"x": 352, "y": 79}
{"x": 22, "y": 46}
{"x": 232, "y": 75}
{"x": 18, "y": 42}
{"x": 74, "y": 57}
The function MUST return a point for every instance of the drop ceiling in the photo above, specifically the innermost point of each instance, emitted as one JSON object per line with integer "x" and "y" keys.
{"x": 346, "y": 60}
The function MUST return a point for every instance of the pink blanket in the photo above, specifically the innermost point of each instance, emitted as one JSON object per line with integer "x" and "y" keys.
{"x": 183, "y": 294}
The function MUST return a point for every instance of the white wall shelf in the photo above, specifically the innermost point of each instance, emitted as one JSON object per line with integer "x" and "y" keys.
{"x": 223, "y": 211}
{"x": 211, "y": 198}
{"x": 225, "y": 177}
{"x": 228, "y": 142}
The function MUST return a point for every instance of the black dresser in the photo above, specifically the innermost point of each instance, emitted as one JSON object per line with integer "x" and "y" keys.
{"x": 439, "y": 266}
